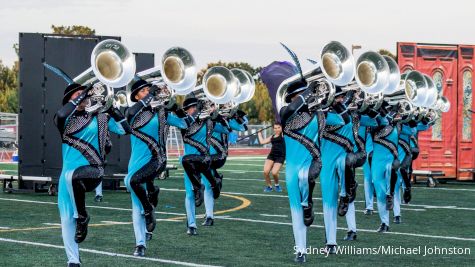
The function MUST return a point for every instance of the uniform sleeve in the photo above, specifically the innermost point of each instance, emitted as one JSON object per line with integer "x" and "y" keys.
{"x": 220, "y": 128}
{"x": 333, "y": 118}
{"x": 288, "y": 111}
{"x": 116, "y": 127}
{"x": 382, "y": 121}
{"x": 367, "y": 121}
{"x": 176, "y": 121}
{"x": 235, "y": 125}
{"x": 62, "y": 115}
{"x": 422, "y": 127}
{"x": 406, "y": 130}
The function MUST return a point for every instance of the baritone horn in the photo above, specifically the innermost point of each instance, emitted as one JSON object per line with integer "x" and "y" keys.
{"x": 112, "y": 66}
{"x": 336, "y": 67}
{"x": 177, "y": 70}
{"x": 111, "y": 63}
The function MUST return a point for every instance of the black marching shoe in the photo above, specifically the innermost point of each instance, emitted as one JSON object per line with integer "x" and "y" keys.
{"x": 153, "y": 196}
{"x": 343, "y": 205}
{"x": 139, "y": 251}
{"x": 407, "y": 195}
{"x": 397, "y": 219}
{"x": 350, "y": 236}
{"x": 148, "y": 236}
{"x": 150, "y": 220}
{"x": 208, "y": 222}
{"x": 74, "y": 265}
{"x": 81, "y": 229}
{"x": 199, "y": 195}
{"x": 300, "y": 258}
{"x": 352, "y": 193}
{"x": 368, "y": 212}
{"x": 383, "y": 228}
{"x": 192, "y": 231}
{"x": 98, "y": 198}
{"x": 389, "y": 202}
{"x": 330, "y": 249}
{"x": 308, "y": 215}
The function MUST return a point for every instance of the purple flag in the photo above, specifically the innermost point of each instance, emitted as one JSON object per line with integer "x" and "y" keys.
{"x": 273, "y": 75}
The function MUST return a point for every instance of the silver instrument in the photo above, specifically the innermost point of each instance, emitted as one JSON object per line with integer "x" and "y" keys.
{"x": 112, "y": 66}
{"x": 336, "y": 66}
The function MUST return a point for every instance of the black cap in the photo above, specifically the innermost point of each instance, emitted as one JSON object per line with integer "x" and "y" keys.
{"x": 190, "y": 102}
{"x": 136, "y": 88}
{"x": 295, "y": 87}
{"x": 70, "y": 90}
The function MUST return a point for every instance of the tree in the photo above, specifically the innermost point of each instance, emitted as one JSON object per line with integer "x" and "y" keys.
{"x": 8, "y": 88}
{"x": 73, "y": 30}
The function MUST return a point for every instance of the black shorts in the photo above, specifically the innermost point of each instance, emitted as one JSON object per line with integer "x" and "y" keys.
{"x": 276, "y": 158}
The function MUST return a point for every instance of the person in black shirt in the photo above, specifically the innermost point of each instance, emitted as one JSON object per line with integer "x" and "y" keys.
{"x": 276, "y": 157}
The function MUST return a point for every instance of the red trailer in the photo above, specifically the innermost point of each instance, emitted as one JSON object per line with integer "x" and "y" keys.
{"x": 448, "y": 146}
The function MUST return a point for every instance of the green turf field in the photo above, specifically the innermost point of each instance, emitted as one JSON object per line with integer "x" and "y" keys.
{"x": 252, "y": 228}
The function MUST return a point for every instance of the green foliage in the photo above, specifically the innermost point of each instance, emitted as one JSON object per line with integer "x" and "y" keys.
{"x": 73, "y": 30}
{"x": 8, "y": 88}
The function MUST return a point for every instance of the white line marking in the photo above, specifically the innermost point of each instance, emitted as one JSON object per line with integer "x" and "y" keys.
{"x": 446, "y": 189}
{"x": 360, "y": 230}
{"x": 113, "y": 254}
{"x": 4, "y": 227}
{"x": 274, "y": 215}
{"x": 53, "y": 224}
{"x": 271, "y": 222}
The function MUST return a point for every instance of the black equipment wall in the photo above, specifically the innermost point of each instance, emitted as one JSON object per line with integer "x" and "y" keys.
{"x": 41, "y": 92}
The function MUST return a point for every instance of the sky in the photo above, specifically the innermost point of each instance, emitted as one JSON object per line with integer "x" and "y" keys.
{"x": 245, "y": 30}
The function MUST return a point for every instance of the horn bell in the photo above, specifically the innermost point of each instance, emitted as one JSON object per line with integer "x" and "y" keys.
{"x": 219, "y": 84}
{"x": 246, "y": 88}
{"x": 112, "y": 63}
{"x": 179, "y": 69}
{"x": 394, "y": 76}
{"x": 372, "y": 72}
{"x": 337, "y": 63}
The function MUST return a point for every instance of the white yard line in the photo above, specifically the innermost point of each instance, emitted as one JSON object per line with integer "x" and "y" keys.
{"x": 112, "y": 254}
{"x": 359, "y": 230}
{"x": 274, "y": 215}
{"x": 251, "y": 220}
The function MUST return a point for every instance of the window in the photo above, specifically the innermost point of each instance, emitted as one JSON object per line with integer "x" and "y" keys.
{"x": 438, "y": 82}
{"x": 467, "y": 104}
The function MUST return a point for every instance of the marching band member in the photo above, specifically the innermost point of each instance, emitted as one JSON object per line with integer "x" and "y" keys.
{"x": 368, "y": 181}
{"x": 336, "y": 142}
{"x": 358, "y": 158}
{"x": 196, "y": 160}
{"x": 405, "y": 158}
{"x": 384, "y": 164}
{"x": 219, "y": 152}
{"x": 148, "y": 157}
{"x": 84, "y": 138}
{"x": 302, "y": 132}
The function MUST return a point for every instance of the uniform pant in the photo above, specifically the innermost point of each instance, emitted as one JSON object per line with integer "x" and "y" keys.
{"x": 195, "y": 166}
{"x": 136, "y": 183}
{"x": 368, "y": 184}
{"x": 300, "y": 185}
{"x": 216, "y": 163}
{"x": 73, "y": 186}
{"x": 331, "y": 172}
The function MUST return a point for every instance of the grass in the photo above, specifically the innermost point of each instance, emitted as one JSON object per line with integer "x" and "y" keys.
{"x": 244, "y": 237}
